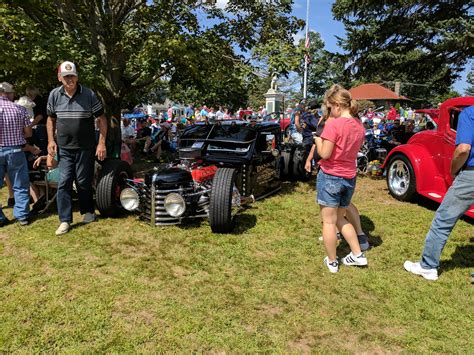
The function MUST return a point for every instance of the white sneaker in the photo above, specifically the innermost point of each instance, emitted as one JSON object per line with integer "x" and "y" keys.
{"x": 63, "y": 228}
{"x": 352, "y": 260}
{"x": 332, "y": 266}
{"x": 415, "y": 268}
{"x": 88, "y": 217}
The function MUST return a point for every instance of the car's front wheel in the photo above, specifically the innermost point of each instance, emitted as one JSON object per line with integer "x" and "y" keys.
{"x": 401, "y": 180}
{"x": 221, "y": 216}
{"x": 112, "y": 180}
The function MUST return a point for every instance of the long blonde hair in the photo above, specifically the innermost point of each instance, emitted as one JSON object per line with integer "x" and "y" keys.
{"x": 336, "y": 94}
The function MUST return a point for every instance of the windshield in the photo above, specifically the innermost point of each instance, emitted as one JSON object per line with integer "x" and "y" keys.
{"x": 233, "y": 133}
{"x": 198, "y": 132}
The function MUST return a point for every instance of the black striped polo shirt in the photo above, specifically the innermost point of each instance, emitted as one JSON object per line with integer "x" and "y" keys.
{"x": 75, "y": 117}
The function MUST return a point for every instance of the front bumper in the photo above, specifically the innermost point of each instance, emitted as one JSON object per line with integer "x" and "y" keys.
{"x": 152, "y": 208}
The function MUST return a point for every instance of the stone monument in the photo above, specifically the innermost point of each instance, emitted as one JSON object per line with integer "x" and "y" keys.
{"x": 273, "y": 98}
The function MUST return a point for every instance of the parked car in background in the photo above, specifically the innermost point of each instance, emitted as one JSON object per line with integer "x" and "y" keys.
{"x": 426, "y": 119}
{"x": 422, "y": 166}
{"x": 283, "y": 118}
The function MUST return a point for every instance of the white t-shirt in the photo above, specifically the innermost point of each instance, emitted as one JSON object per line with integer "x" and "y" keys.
{"x": 128, "y": 131}
{"x": 219, "y": 115}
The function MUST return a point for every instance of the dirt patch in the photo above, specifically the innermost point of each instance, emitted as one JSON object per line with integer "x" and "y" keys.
{"x": 270, "y": 309}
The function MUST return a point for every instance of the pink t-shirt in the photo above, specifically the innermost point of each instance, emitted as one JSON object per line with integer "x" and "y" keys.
{"x": 347, "y": 134}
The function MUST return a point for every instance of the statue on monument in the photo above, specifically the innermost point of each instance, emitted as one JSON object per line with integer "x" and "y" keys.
{"x": 273, "y": 84}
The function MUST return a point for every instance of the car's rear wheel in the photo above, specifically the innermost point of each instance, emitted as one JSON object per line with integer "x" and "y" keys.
{"x": 299, "y": 161}
{"x": 112, "y": 180}
{"x": 401, "y": 180}
{"x": 221, "y": 211}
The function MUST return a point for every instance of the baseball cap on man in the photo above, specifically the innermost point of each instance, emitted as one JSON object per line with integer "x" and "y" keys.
{"x": 6, "y": 87}
{"x": 67, "y": 68}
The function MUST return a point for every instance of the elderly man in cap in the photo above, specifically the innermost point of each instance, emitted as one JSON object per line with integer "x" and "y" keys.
{"x": 72, "y": 110}
{"x": 14, "y": 130}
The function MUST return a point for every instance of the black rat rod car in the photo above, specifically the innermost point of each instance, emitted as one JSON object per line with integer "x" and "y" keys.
{"x": 222, "y": 167}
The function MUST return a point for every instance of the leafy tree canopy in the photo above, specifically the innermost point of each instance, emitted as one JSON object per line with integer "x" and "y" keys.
{"x": 128, "y": 48}
{"x": 470, "y": 80}
{"x": 419, "y": 41}
{"x": 325, "y": 68}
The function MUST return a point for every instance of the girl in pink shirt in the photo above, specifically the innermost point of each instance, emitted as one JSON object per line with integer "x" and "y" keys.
{"x": 338, "y": 145}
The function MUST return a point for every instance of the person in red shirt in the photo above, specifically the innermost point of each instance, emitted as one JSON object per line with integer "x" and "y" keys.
{"x": 392, "y": 113}
{"x": 338, "y": 145}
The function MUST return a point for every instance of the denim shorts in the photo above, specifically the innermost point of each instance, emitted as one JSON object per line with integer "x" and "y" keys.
{"x": 334, "y": 191}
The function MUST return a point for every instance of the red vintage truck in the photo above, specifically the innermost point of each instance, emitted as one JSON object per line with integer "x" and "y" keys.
{"x": 422, "y": 166}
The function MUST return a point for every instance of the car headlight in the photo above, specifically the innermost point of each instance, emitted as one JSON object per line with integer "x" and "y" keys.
{"x": 175, "y": 205}
{"x": 129, "y": 199}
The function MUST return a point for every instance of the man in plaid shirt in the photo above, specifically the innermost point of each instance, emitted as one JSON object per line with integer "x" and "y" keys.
{"x": 14, "y": 129}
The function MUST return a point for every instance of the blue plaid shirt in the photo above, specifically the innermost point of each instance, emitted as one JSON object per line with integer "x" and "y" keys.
{"x": 13, "y": 119}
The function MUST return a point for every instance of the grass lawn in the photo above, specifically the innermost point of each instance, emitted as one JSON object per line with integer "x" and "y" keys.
{"x": 121, "y": 285}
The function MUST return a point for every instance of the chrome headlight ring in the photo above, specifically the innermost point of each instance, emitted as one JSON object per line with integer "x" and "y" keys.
{"x": 175, "y": 205}
{"x": 129, "y": 199}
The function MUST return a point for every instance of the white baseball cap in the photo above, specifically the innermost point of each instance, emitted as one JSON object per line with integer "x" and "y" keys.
{"x": 6, "y": 87}
{"x": 67, "y": 68}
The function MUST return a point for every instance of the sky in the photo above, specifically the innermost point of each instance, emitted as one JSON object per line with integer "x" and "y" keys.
{"x": 321, "y": 20}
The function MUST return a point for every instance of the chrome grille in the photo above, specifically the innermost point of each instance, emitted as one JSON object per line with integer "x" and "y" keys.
{"x": 153, "y": 210}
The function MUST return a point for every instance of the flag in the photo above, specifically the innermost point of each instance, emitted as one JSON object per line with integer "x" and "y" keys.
{"x": 307, "y": 57}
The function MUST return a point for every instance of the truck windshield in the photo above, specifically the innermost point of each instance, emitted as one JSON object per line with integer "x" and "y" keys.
{"x": 198, "y": 132}
{"x": 233, "y": 133}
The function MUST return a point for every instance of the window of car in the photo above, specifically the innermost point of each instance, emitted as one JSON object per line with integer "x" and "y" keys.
{"x": 454, "y": 117}
{"x": 233, "y": 133}
{"x": 267, "y": 141}
{"x": 191, "y": 134}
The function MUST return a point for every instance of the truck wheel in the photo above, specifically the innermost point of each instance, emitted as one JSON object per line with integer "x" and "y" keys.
{"x": 401, "y": 180}
{"x": 221, "y": 219}
{"x": 112, "y": 180}
{"x": 299, "y": 174}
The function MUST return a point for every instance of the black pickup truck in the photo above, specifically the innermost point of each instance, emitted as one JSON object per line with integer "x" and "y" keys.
{"x": 221, "y": 167}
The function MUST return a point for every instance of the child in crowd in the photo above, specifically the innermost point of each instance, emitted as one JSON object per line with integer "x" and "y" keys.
{"x": 338, "y": 145}
{"x": 352, "y": 213}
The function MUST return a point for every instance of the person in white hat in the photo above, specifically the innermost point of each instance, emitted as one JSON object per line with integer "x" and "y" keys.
{"x": 72, "y": 110}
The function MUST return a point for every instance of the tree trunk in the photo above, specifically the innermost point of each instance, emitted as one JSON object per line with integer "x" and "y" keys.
{"x": 112, "y": 107}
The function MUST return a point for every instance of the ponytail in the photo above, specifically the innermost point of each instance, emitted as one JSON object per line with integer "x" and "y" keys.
{"x": 354, "y": 108}
{"x": 336, "y": 94}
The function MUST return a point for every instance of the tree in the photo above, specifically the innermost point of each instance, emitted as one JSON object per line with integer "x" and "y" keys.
{"x": 425, "y": 42}
{"x": 325, "y": 68}
{"x": 470, "y": 80}
{"x": 134, "y": 46}
{"x": 438, "y": 99}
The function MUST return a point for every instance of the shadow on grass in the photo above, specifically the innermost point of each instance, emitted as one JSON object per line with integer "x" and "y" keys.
{"x": 243, "y": 222}
{"x": 425, "y": 202}
{"x": 463, "y": 257}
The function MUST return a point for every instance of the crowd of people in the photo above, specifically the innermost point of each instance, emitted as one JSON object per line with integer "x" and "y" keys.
{"x": 68, "y": 133}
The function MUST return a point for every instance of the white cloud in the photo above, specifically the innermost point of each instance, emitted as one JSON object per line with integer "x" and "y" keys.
{"x": 221, "y": 4}
{"x": 298, "y": 36}
{"x": 297, "y": 5}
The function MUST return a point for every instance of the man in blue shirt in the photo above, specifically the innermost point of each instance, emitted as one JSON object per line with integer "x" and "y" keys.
{"x": 456, "y": 202}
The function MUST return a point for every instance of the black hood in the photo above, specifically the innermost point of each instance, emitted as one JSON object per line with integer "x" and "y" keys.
{"x": 168, "y": 177}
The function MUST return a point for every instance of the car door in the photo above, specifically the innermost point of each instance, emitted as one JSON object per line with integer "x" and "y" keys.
{"x": 449, "y": 143}
{"x": 265, "y": 175}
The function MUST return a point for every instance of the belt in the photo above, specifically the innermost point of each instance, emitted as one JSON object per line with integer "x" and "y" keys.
{"x": 12, "y": 149}
{"x": 469, "y": 168}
